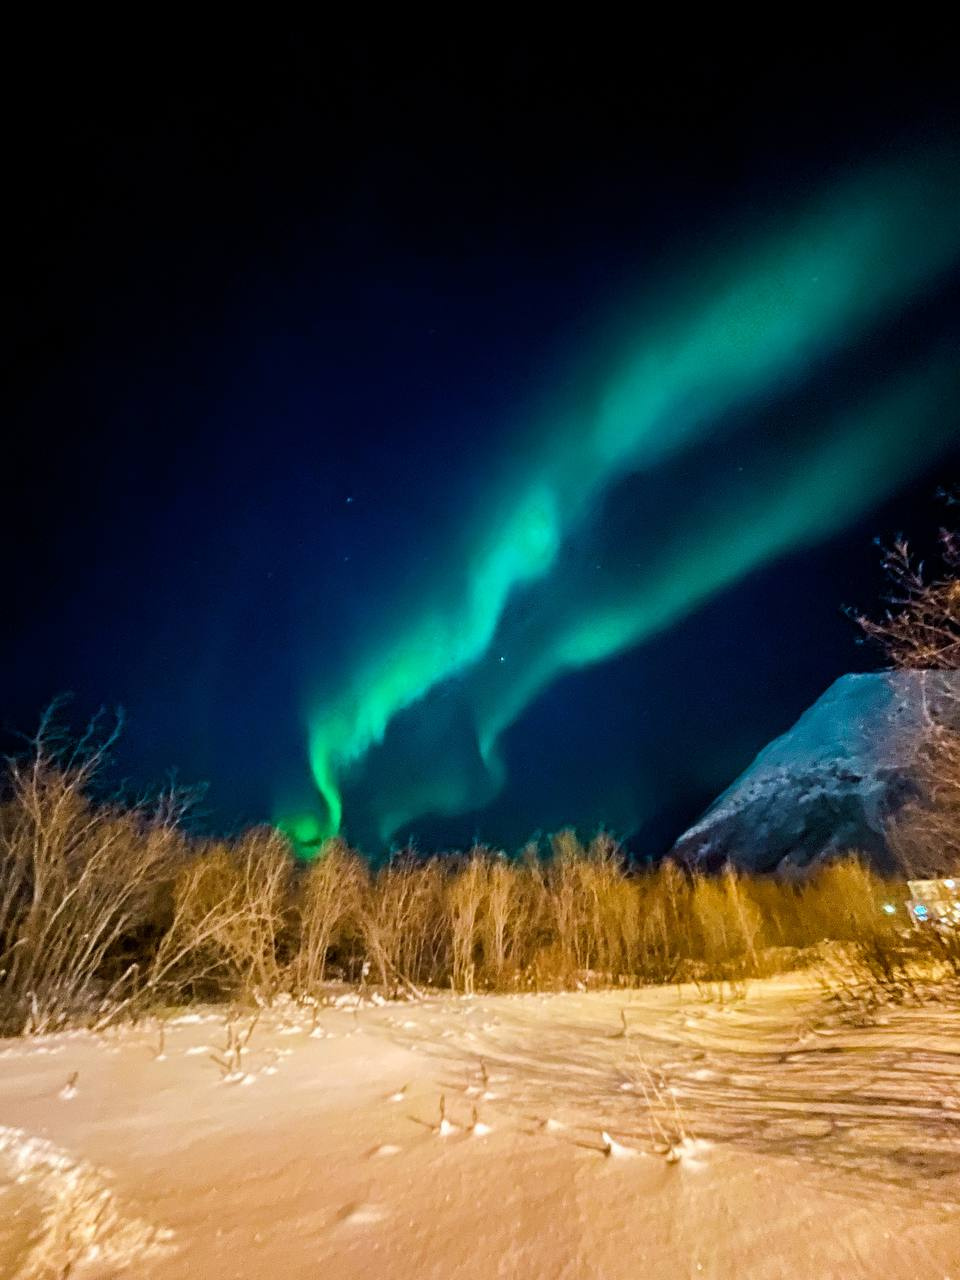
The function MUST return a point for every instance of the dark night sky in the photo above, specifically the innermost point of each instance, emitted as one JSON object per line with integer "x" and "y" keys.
{"x": 282, "y": 310}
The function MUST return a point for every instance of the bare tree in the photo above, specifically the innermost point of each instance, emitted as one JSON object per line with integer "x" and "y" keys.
{"x": 924, "y": 834}
{"x": 920, "y": 630}
{"x": 920, "y": 627}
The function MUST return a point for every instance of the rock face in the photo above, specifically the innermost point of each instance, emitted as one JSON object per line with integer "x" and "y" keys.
{"x": 829, "y": 784}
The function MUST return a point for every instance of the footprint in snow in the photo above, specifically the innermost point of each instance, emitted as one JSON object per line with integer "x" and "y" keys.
{"x": 361, "y": 1215}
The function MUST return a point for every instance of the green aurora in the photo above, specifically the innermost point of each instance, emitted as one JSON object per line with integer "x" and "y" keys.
{"x": 751, "y": 318}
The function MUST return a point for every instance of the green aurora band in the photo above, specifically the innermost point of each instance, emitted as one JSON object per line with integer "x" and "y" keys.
{"x": 740, "y": 324}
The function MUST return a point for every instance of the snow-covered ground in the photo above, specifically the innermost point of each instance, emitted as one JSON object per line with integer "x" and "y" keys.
{"x": 636, "y": 1134}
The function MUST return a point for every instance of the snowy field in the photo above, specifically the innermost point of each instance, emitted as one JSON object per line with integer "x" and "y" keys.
{"x": 640, "y": 1134}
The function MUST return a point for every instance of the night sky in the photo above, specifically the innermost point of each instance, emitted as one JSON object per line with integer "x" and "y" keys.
{"x": 460, "y": 437}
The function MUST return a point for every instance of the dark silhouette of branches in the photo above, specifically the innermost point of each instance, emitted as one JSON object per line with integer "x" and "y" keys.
{"x": 920, "y": 630}
{"x": 921, "y": 626}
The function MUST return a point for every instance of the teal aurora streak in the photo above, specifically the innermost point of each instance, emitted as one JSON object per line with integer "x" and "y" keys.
{"x": 714, "y": 337}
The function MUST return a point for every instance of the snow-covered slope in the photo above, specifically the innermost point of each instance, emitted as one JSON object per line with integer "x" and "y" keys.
{"x": 828, "y": 784}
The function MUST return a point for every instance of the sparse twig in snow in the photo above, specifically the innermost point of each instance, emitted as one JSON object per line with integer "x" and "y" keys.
{"x": 477, "y": 1127}
{"x": 613, "y": 1148}
{"x": 230, "y": 1061}
{"x": 668, "y": 1126}
{"x": 445, "y": 1127}
{"x": 160, "y": 1054}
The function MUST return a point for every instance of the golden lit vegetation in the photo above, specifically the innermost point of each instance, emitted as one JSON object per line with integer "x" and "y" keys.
{"x": 107, "y": 910}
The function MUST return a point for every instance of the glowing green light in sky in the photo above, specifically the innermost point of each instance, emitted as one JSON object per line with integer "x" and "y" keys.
{"x": 735, "y": 325}
{"x": 850, "y": 464}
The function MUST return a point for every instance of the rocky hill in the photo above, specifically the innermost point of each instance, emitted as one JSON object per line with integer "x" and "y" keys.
{"x": 829, "y": 784}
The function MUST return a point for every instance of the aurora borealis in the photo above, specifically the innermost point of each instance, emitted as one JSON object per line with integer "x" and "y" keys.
{"x": 736, "y": 327}
{"x": 452, "y": 442}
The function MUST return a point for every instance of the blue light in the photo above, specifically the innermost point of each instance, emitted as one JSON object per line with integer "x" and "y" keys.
{"x": 920, "y": 911}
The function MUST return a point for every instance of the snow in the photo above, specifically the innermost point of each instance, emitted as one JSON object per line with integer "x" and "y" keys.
{"x": 755, "y": 1139}
{"x": 72, "y": 1218}
{"x": 615, "y": 1149}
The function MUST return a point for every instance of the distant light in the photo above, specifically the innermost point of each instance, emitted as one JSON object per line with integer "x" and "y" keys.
{"x": 889, "y": 908}
{"x": 920, "y": 911}
{"x": 951, "y": 884}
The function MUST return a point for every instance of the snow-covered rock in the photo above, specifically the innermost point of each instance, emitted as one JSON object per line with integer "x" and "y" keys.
{"x": 829, "y": 784}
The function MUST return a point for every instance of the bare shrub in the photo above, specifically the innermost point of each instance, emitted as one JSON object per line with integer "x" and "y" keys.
{"x": 726, "y": 926}
{"x": 329, "y": 906}
{"x": 562, "y": 884}
{"x": 76, "y": 878}
{"x": 465, "y": 897}
{"x": 504, "y": 919}
{"x": 403, "y": 922}
{"x": 590, "y": 905}
{"x": 876, "y": 958}
{"x": 106, "y": 909}
{"x": 665, "y": 906}
{"x": 844, "y": 901}
{"x": 228, "y": 913}
{"x": 609, "y": 911}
